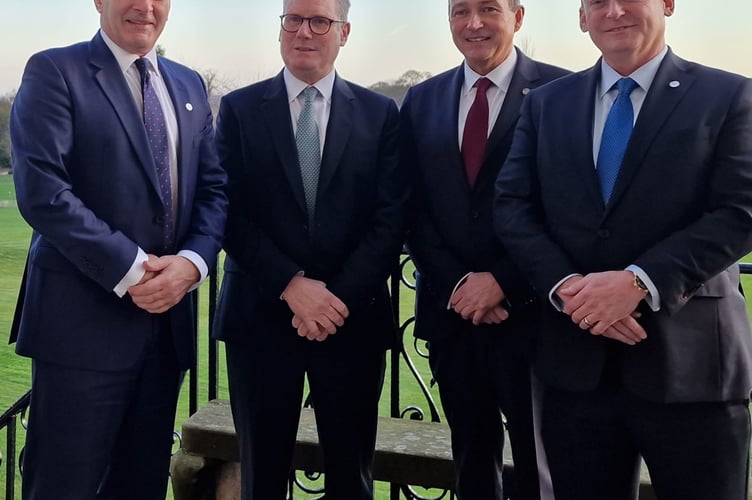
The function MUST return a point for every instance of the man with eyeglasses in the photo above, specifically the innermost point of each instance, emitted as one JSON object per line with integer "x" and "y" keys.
{"x": 315, "y": 227}
{"x": 474, "y": 307}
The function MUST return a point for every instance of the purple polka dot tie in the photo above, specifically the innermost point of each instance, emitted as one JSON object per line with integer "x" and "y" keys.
{"x": 156, "y": 131}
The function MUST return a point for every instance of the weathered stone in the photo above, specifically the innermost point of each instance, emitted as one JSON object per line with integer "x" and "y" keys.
{"x": 407, "y": 452}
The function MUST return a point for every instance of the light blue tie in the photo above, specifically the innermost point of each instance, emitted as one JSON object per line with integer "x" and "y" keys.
{"x": 616, "y": 133}
{"x": 309, "y": 151}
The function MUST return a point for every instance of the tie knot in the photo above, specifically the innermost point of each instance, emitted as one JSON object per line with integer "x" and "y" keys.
{"x": 143, "y": 65}
{"x": 310, "y": 93}
{"x": 626, "y": 86}
{"x": 482, "y": 85}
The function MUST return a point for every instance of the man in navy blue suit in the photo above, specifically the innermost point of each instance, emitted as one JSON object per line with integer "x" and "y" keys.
{"x": 473, "y": 305}
{"x": 314, "y": 229}
{"x": 116, "y": 173}
{"x": 627, "y": 201}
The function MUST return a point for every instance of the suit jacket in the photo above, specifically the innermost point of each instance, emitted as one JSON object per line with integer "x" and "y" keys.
{"x": 451, "y": 229}
{"x": 358, "y": 228}
{"x": 87, "y": 185}
{"x": 681, "y": 209}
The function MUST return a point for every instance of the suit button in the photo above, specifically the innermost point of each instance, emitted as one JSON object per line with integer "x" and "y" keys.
{"x": 475, "y": 215}
{"x": 159, "y": 219}
{"x": 604, "y": 234}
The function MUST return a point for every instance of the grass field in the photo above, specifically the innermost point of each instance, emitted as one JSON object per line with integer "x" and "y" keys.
{"x": 15, "y": 371}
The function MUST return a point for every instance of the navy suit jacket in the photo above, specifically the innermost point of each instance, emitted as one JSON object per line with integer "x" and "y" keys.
{"x": 358, "y": 228}
{"x": 681, "y": 209}
{"x": 451, "y": 226}
{"x": 86, "y": 183}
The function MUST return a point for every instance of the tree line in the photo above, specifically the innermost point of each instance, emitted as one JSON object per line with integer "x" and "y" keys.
{"x": 395, "y": 89}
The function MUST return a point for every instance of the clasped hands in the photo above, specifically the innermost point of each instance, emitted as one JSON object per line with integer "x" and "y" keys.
{"x": 605, "y": 304}
{"x": 317, "y": 312}
{"x": 478, "y": 299}
{"x": 166, "y": 281}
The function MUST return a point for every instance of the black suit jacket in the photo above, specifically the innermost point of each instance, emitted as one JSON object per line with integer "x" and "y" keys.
{"x": 681, "y": 210}
{"x": 358, "y": 229}
{"x": 451, "y": 226}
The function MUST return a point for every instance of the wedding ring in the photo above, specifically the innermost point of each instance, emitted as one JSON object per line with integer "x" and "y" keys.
{"x": 585, "y": 320}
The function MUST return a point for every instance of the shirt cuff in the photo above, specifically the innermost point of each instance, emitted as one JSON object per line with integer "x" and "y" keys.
{"x": 653, "y": 298}
{"x": 134, "y": 274}
{"x": 459, "y": 284}
{"x": 200, "y": 264}
{"x": 556, "y": 301}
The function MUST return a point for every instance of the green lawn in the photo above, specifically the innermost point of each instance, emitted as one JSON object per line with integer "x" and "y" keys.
{"x": 15, "y": 371}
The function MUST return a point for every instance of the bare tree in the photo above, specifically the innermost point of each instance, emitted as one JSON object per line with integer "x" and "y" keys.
{"x": 6, "y": 101}
{"x": 525, "y": 45}
{"x": 396, "y": 89}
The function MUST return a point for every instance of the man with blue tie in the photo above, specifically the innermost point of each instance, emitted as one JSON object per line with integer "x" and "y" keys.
{"x": 315, "y": 226}
{"x": 473, "y": 306}
{"x": 627, "y": 200}
{"x": 116, "y": 172}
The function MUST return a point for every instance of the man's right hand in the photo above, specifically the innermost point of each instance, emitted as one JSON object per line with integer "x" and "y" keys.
{"x": 318, "y": 312}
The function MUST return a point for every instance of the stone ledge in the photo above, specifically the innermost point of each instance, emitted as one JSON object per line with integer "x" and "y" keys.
{"x": 407, "y": 451}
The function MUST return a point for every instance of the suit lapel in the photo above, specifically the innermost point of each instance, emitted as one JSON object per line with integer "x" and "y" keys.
{"x": 111, "y": 81}
{"x": 179, "y": 97}
{"x": 337, "y": 131}
{"x": 442, "y": 124}
{"x": 669, "y": 86}
{"x": 524, "y": 77}
{"x": 576, "y": 109}
{"x": 276, "y": 110}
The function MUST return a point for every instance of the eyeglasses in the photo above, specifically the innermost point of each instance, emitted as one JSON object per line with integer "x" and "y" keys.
{"x": 318, "y": 25}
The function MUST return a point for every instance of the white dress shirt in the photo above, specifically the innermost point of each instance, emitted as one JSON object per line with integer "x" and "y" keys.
{"x": 132, "y": 77}
{"x": 322, "y": 104}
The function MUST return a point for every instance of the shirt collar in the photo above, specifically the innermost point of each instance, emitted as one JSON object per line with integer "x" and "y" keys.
{"x": 500, "y": 76}
{"x": 643, "y": 75}
{"x": 295, "y": 86}
{"x": 125, "y": 59}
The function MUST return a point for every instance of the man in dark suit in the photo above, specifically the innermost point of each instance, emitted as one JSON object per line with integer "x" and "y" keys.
{"x": 315, "y": 226}
{"x": 649, "y": 352}
{"x": 473, "y": 305}
{"x": 126, "y": 221}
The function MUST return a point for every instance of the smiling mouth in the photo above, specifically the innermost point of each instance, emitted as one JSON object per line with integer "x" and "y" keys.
{"x": 618, "y": 29}
{"x": 476, "y": 39}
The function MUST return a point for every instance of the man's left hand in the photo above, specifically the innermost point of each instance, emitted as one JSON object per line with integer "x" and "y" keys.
{"x": 599, "y": 300}
{"x": 175, "y": 275}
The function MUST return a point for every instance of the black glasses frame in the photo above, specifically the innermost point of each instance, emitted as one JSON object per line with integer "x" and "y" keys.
{"x": 310, "y": 26}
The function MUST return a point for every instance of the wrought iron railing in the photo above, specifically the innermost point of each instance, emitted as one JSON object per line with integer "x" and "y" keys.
{"x": 403, "y": 363}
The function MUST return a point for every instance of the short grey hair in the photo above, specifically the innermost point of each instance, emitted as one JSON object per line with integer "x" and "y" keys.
{"x": 513, "y": 4}
{"x": 343, "y": 8}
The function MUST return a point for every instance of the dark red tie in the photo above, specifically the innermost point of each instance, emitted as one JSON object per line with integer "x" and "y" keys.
{"x": 476, "y": 131}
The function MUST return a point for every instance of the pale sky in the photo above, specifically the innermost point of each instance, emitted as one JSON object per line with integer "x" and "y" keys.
{"x": 238, "y": 38}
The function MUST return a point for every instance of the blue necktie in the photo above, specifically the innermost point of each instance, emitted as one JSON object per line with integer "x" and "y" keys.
{"x": 616, "y": 133}
{"x": 309, "y": 151}
{"x": 156, "y": 131}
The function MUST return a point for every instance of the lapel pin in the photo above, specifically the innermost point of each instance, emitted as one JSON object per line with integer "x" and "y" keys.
{"x": 189, "y": 106}
{"x": 525, "y": 91}
{"x": 673, "y": 84}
